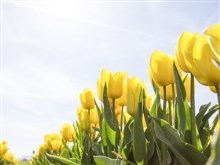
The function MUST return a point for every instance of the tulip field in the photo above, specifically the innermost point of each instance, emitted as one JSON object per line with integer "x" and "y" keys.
{"x": 126, "y": 125}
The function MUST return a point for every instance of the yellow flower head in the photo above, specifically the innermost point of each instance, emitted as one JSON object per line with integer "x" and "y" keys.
{"x": 161, "y": 68}
{"x": 202, "y": 63}
{"x": 149, "y": 101}
{"x": 116, "y": 85}
{"x": 94, "y": 117}
{"x": 68, "y": 132}
{"x": 169, "y": 93}
{"x": 185, "y": 47}
{"x": 87, "y": 99}
{"x": 3, "y": 148}
{"x": 53, "y": 142}
{"x": 83, "y": 118}
{"x": 134, "y": 87}
{"x": 101, "y": 83}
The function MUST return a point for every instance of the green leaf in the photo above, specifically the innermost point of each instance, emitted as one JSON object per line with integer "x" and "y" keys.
{"x": 150, "y": 137}
{"x": 215, "y": 150}
{"x": 60, "y": 159}
{"x": 103, "y": 160}
{"x": 107, "y": 109}
{"x": 201, "y": 113}
{"x": 185, "y": 153}
{"x": 139, "y": 143}
{"x": 181, "y": 97}
{"x": 110, "y": 133}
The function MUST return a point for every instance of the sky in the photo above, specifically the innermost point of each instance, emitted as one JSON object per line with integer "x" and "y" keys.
{"x": 52, "y": 50}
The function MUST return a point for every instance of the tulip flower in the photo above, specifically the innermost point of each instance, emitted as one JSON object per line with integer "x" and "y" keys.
{"x": 68, "y": 132}
{"x": 202, "y": 64}
{"x": 169, "y": 92}
{"x": 3, "y": 148}
{"x": 87, "y": 99}
{"x": 134, "y": 87}
{"x": 94, "y": 117}
{"x": 116, "y": 85}
{"x": 185, "y": 47}
{"x": 213, "y": 89}
{"x": 122, "y": 101}
{"x": 101, "y": 83}
{"x": 161, "y": 68}
{"x": 213, "y": 31}
{"x": 83, "y": 118}
{"x": 149, "y": 101}
{"x": 187, "y": 88}
{"x": 53, "y": 142}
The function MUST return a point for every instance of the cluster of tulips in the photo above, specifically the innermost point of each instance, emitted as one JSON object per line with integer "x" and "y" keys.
{"x": 5, "y": 156}
{"x": 130, "y": 126}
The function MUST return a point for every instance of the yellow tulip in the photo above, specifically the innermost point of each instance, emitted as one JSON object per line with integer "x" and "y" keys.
{"x": 10, "y": 158}
{"x": 3, "y": 148}
{"x": 122, "y": 101}
{"x": 68, "y": 132}
{"x": 213, "y": 31}
{"x": 83, "y": 118}
{"x": 214, "y": 40}
{"x": 187, "y": 85}
{"x": 161, "y": 66}
{"x": 202, "y": 64}
{"x": 185, "y": 46}
{"x": 87, "y": 99}
{"x": 94, "y": 117}
{"x": 169, "y": 93}
{"x": 116, "y": 85}
{"x": 53, "y": 142}
{"x": 101, "y": 83}
{"x": 149, "y": 101}
{"x": 134, "y": 87}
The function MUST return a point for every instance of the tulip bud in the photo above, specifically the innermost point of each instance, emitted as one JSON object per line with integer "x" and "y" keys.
{"x": 202, "y": 64}
{"x": 169, "y": 92}
{"x": 68, "y": 132}
{"x": 149, "y": 101}
{"x": 83, "y": 118}
{"x": 94, "y": 117}
{"x": 87, "y": 99}
{"x": 134, "y": 87}
{"x": 115, "y": 85}
{"x": 161, "y": 68}
{"x": 3, "y": 148}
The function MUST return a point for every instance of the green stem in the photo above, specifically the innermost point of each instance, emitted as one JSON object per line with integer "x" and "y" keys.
{"x": 163, "y": 145}
{"x": 218, "y": 95}
{"x": 170, "y": 113}
{"x": 164, "y": 102}
{"x": 122, "y": 114}
{"x": 89, "y": 138}
{"x": 115, "y": 122}
{"x": 174, "y": 102}
{"x": 192, "y": 104}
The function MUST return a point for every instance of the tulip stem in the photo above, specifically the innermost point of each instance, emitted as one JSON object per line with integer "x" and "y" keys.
{"x": 164, "y": 102}
{"x": 163, "y": 145}
{"x": 170, "y": 113}
{"x": 115, "y": 125}
{"x": 192, "y": 104}
{"x": 218, "y": 95}
{"x": 121, "y": 118}
{"x": 174, "y": 114}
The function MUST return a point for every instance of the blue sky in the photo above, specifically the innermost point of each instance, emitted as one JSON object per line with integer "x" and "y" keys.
{"x": 52, "y": 50}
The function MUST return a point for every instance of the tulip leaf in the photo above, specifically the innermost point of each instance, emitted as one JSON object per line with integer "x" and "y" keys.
{"x": 139, "y": 143}
{"x": 110, "y": 133}
{"x": 103, "y": 160}
{"x": 181, "y": 97}
{"x": 201, "y": 113}
{"x": 150, "y": 137}
{"x": 103, "y": 132}
{"x": 215, "y": 150}
{"x": 184, "y": 152}
{"x": 107, "y": 109}
{"x": 61, "y": 159}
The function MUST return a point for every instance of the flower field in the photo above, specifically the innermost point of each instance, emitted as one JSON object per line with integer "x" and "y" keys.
{"x": 128, "y": 125}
